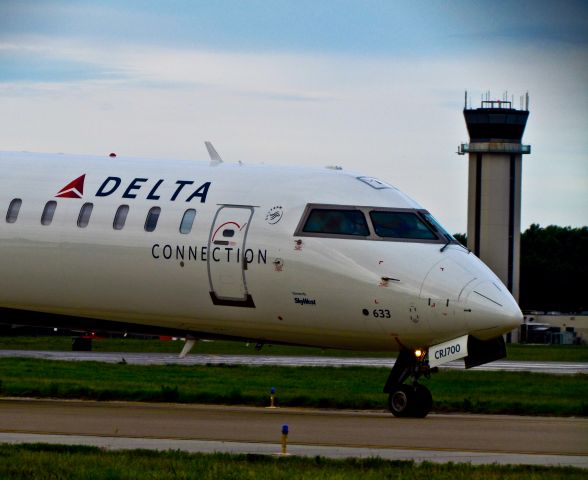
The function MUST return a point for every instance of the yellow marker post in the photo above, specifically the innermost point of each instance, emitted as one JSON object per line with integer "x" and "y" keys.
{"x": 272, "y": 398}
{"x": 284, "y": 439}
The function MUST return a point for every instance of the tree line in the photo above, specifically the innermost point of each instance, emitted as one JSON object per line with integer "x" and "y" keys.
{"x": 554, "y": 268}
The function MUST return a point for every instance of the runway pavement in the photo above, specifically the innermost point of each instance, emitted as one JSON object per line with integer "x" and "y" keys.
{"x": 298, "y": 361}
{"x": 440, "y": 438}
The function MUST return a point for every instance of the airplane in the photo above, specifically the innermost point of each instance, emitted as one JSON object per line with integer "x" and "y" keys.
{"x": 319, "y": 257}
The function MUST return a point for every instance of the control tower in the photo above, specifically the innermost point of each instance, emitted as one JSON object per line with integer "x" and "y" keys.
{"x": 494, "y": 192}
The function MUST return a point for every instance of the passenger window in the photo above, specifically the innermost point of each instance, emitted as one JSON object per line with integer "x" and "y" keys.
{"x": 400, "y": 225}
{"x": 120, "y": 217}
{"x": 48, "y": 212}
{"x": 84, "y": 216}
{"x": 13, "y": 209}
{"x": 336, "y": 222}
{"x": 187, "y": 221}
{"x": 152, "y": 217}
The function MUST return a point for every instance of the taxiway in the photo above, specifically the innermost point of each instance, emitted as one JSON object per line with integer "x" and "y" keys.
{"x": 440, "y": 438}
{"x": 560, "y": 368}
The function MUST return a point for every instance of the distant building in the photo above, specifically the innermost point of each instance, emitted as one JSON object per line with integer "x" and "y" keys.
{"x": 554, "y": 328}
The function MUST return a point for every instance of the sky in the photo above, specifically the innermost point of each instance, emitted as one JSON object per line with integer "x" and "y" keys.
{"x": 373, "y": 86}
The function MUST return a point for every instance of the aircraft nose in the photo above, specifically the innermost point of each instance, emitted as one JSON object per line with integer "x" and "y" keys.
{"x": 490, "y": 310}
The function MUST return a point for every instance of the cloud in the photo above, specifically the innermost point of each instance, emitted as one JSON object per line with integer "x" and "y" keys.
{"x": 398, "y": 119}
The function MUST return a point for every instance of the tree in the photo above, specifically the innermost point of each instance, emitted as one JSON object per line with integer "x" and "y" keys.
{"x": 461, "y": 238}
{"x": 554, "y": 268}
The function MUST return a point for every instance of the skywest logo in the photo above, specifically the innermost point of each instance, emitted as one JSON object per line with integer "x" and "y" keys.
{"x": 75, "y": 189}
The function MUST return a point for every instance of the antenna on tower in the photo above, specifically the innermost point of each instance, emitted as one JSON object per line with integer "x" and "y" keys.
{"x": 465, "y": 104}
{"x": 527, "y": 101}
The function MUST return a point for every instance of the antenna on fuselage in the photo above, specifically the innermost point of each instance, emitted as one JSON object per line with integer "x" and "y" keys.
{"x": 215, "y": 158}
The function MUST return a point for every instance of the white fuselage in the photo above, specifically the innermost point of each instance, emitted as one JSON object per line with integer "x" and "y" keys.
{"x": 246, "y": 269}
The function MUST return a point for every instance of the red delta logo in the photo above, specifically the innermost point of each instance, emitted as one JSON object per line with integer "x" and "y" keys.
{"x": 74, "y": 189}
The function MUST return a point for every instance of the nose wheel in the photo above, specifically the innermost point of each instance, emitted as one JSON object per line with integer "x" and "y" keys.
{"x": 410, "y": 399}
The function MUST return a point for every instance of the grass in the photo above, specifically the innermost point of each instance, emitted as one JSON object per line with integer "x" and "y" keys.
{"x": 520, "y": 393}
{"x": 561, "y": 353}
{"x": 548, "y": 353}
{"x": 40, "y": 461}
{"x": 319, "y": 387}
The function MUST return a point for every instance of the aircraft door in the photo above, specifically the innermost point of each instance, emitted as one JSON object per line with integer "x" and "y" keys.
{"x": 226, "y": 258}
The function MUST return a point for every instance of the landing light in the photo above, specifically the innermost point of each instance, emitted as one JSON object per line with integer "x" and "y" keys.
{"x": 419, "y": 353}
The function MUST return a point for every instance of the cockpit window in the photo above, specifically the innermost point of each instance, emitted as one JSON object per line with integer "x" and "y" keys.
{"x": 336, "y": 222}
{"x": 437, "y": 226}
{"x": 390, "y": 224}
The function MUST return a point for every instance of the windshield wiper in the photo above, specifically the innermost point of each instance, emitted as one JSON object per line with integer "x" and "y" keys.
{"x": 449, "y": 240}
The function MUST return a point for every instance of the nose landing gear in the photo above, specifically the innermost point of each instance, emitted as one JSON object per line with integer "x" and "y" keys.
{"x": 408, "y": 400}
